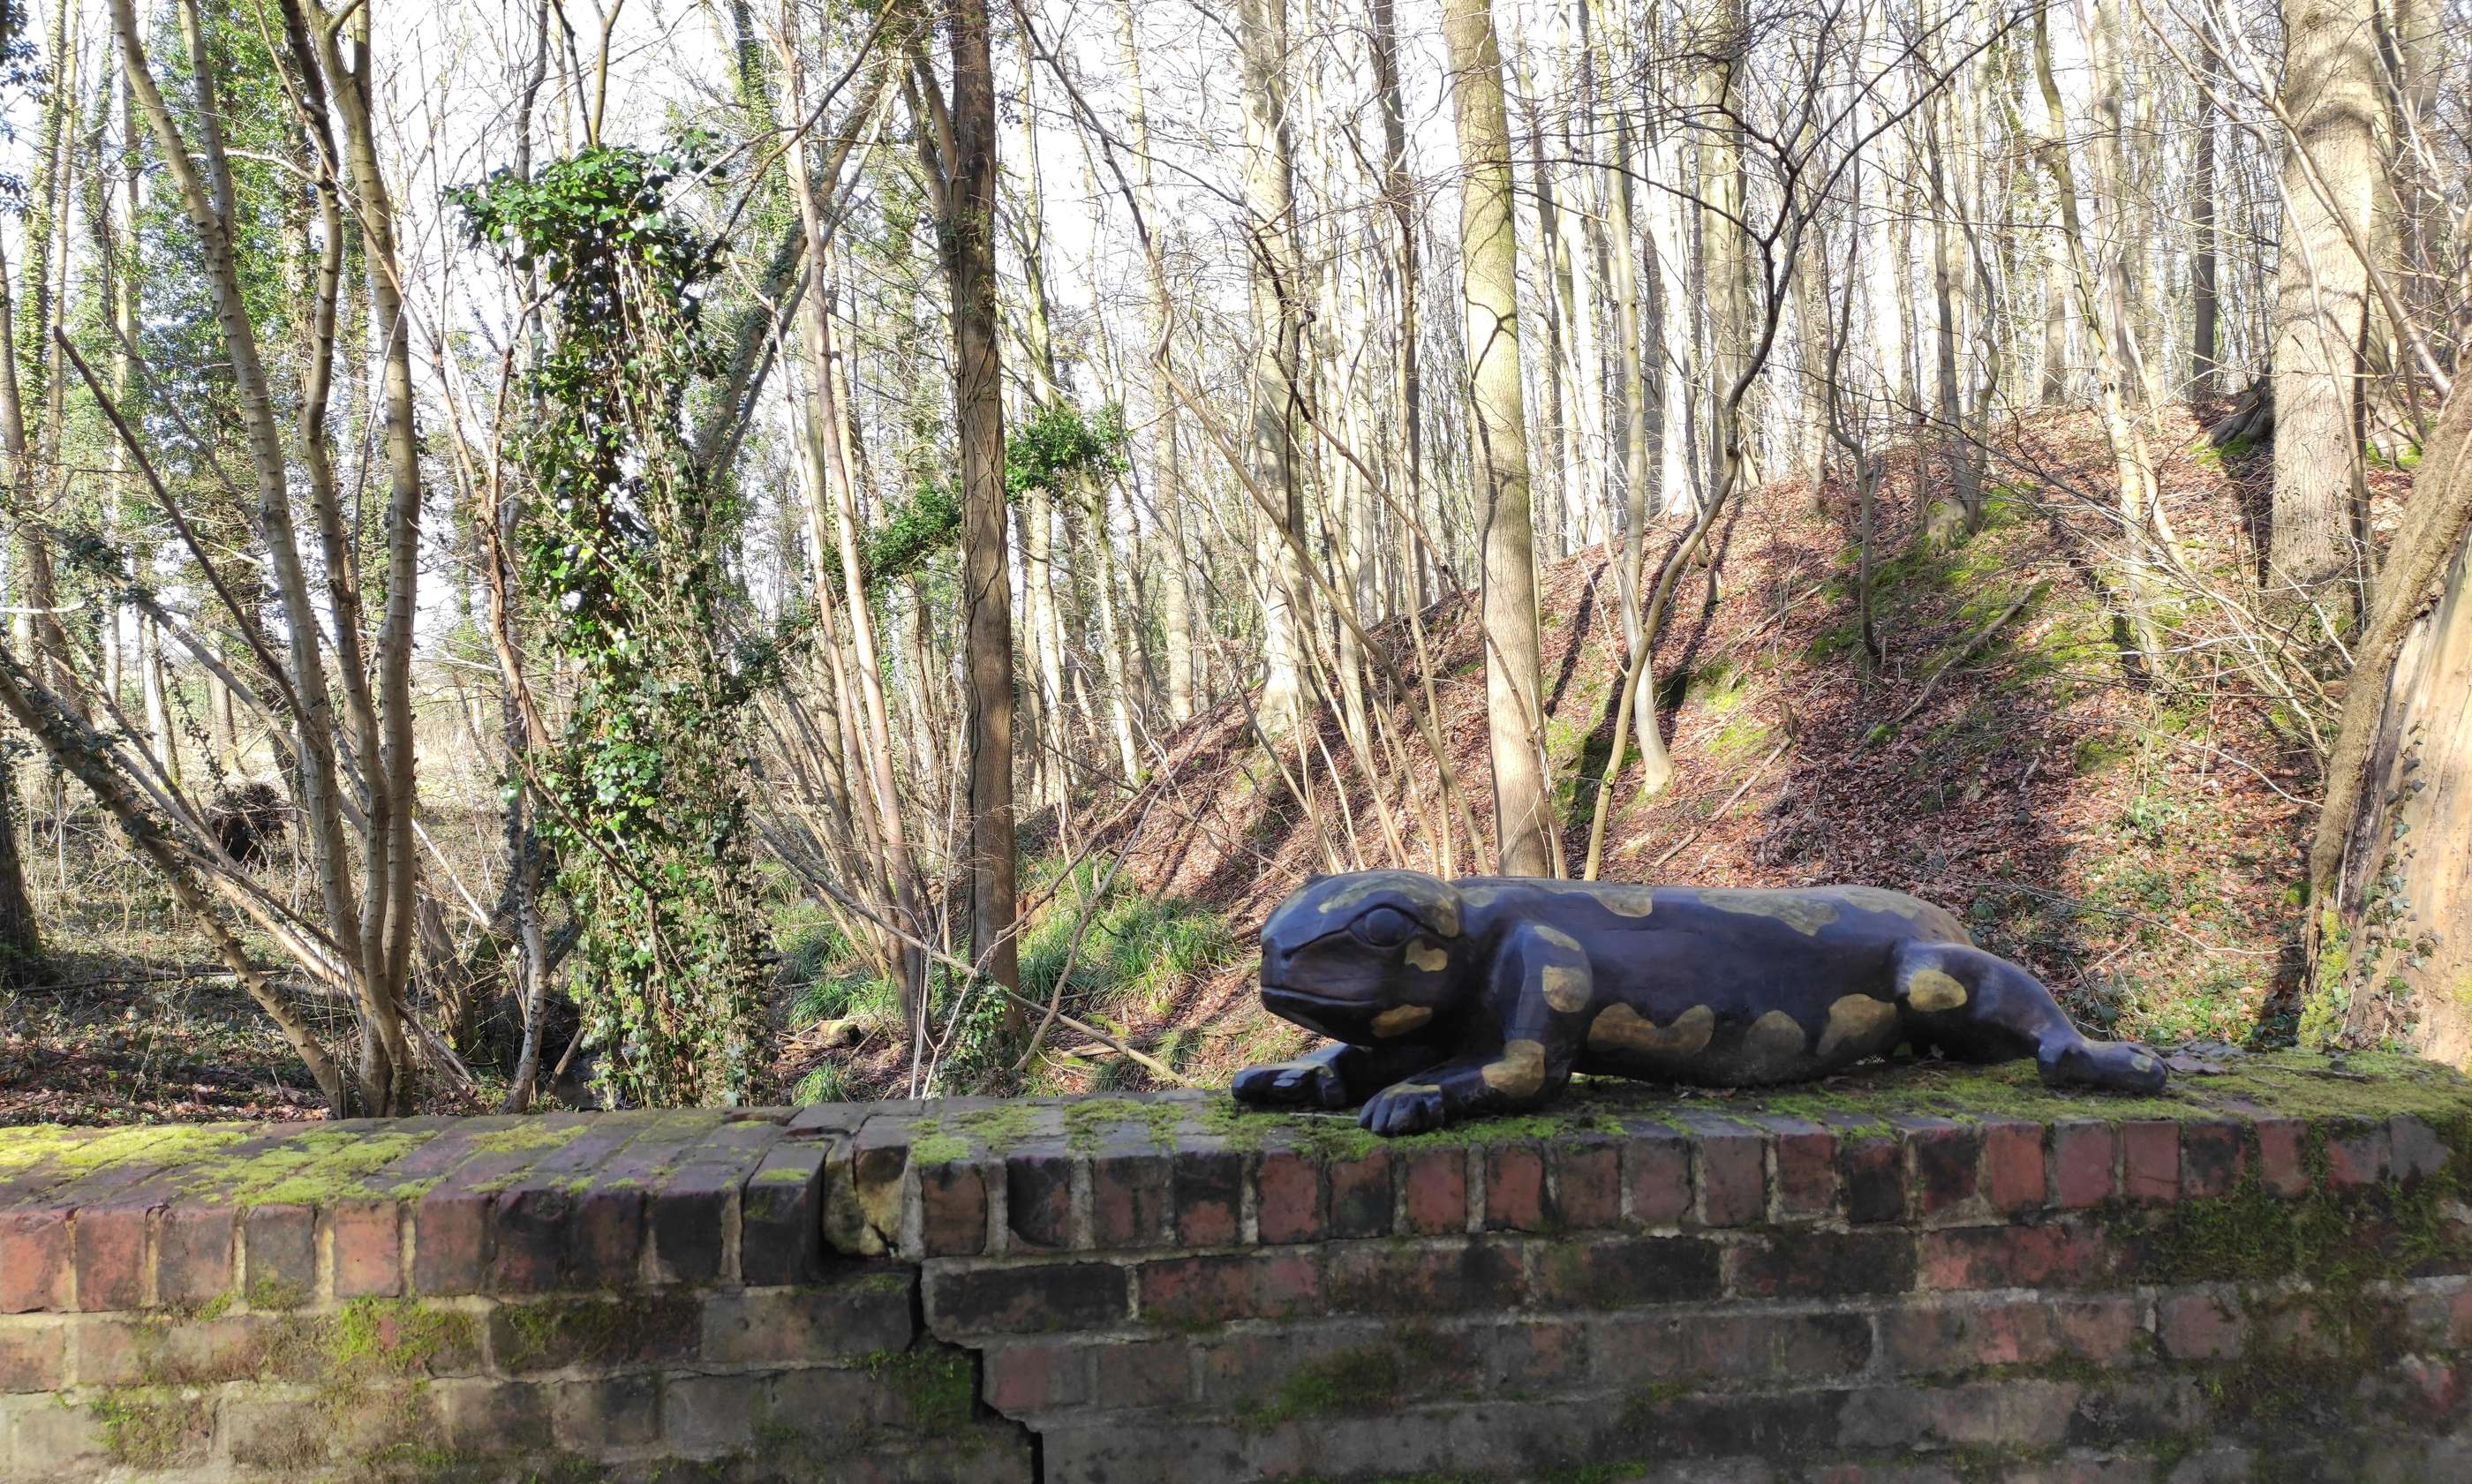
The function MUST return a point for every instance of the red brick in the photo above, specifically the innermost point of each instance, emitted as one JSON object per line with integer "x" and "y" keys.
{"x": 782, "y": 1214}
{"x": 1732, "y": 1173}
{"x": 193, "y": 1254}
{"x": 2015, "y": 1257}
{"x": 953, "y": 1208}
{"x": 1474, "y": 1275}
{"x": 111, "y": 1257}
{"x": 1209, "y": 1186}
{"x": 1287, "y": 1187}
{"x": 1026, "y": 1299}
{"x": 1656, "y": 1176}
{"x": 1614, "y": 1273}
{"x": 2417, "y": 1152}
{"x": 33, "y": 1356}
{"x": 1872, "y": 1171}
{"x": 687, "y": 1219}
{"x": 1038, "y": 1198}
{"x": 1800, "y": 1262}
{"x": 1360, "y": 1195}
{"x": 1037, "y": 1377}
{"x": 279, "y": 1256}
{"x": 2281, "y": 1165}
{"x": 2014, "y": 1164}
{"x": 863, "y": 1315}
{"x": 368, "y": 1250}
{"x": 1144, "y": 1373}
{"x": 1211, "y": 1289}
{"x": 606, "y": 1240}
{"x": 1129, "y": 1192}
{"x": 2214, "y": 1154}
{"x": 450, "y": 1242}
{"x": 2357, "y": 1155}
{"x": 1587, "y": 1182}
{"x": 33, "y": 1260}
{"x": 1437, "y": 1196}
{"x": 1966, "y": 1334}
{"x": 1943, "y": 1161}
{"x": 2150, "y": 1160}
{"x": 1514, "y": 1187}
{"x": 2084, "y": 1157}
{"x": 1807, "y": 1182}
{"x": 2199, "y": 1327}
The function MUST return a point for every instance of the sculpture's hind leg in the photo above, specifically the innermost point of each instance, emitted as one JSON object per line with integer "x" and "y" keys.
{"x": 1983, "y": 1008}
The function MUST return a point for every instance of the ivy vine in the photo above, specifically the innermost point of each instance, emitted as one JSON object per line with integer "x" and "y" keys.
{"x": 646, "y": 805}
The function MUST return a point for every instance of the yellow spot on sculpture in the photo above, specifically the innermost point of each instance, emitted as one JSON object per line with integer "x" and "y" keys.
{"x": 1774, "y": 1042}
{"x": 1520, "y": 1072}
{"x": 1627, "y": 901}
{"x": 1857, "y": 1020}
{"x": 1622, "y": 1028}
{"x": 1427, "y": 957}
{"x": 1803, "y": 913}
{"x": 1930, "y": 989}
{"x": 1566, "y": 989}
{"x": 1399, "y": 1020}
{"x": 1878, "y": 899}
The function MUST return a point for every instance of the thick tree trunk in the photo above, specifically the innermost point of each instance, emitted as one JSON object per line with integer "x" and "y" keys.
{"x": 2391, "y": 862}
{"x": 1489, "y": 259}
{"x": 2330, "y": 94}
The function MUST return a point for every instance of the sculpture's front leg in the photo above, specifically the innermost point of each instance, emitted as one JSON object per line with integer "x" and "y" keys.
{"x": 1543, "y": 991}
{"x": 1338, "y": 1076}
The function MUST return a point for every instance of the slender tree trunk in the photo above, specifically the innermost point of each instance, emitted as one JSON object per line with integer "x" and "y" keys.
{"x": 1273, "y": 296}
{"x": 2205, "y": 353}
{"x": 968, "y": 238}
{"x": 1489, "y": 255}
{"x": 1176, "y": 593}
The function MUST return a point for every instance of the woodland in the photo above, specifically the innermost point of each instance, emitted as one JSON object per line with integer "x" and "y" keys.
{"x": 638, "y": 552}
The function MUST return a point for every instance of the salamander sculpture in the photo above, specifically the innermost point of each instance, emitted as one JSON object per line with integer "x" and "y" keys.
{"x": 1451, "y": 1000}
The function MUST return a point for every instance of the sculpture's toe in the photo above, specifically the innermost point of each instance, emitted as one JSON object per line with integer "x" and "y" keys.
{"x": 1406, "y": 1109}
{"x": 2106, "y": 1066}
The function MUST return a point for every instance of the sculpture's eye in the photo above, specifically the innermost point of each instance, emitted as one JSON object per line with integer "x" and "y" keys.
{"x": 1386, "y": 926}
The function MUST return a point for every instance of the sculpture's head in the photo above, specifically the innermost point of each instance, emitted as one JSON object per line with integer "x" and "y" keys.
{"x": 1366, "y": 958}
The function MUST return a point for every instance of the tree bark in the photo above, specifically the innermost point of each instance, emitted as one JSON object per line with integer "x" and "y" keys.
{"x": 1489, "y": 260}
{"x": 2390, "y": 864}
{"x": 2321, "y": 296}
{"x": 1272, "y": 290}
{"x": 967, "y": 241}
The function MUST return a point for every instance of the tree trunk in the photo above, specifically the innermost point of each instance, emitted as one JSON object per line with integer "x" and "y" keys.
{"x": 1489, "y": 259}
{"x": 2391, "y": 866}
{"x": 1272, "y": 297}
{"x": 969, "y": 244}
{"x": 2330, "y": 93}
{"x": 2205, "y": 353}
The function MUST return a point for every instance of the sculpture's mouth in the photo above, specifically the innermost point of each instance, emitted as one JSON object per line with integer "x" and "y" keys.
{"x": 1281, "y": 998}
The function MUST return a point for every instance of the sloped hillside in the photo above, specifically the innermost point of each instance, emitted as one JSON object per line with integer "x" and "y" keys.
{"x": 2135, "y": 844}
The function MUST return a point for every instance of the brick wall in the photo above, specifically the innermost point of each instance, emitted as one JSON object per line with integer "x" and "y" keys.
{"x": 1921, "y": 1276}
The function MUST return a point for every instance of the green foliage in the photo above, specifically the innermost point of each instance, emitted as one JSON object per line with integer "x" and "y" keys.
{"x": 1058, "y": 447}
{"x": 623, "y": 549}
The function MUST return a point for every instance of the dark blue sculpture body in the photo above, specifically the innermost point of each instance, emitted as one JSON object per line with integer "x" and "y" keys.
{"x": 1455, "y": 998}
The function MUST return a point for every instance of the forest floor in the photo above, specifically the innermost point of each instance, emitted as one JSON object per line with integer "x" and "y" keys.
{"x": 2135, "y": 844}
